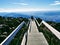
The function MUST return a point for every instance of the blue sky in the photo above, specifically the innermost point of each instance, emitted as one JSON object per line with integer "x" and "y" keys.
{"x": 29, "y": 5}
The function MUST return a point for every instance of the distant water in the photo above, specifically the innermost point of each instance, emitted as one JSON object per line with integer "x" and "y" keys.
{"x": 49, "y": 15}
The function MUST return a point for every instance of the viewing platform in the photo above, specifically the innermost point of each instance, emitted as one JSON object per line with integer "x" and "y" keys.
{"x": 32, "y": 36}
{"x": 35, "y": 37}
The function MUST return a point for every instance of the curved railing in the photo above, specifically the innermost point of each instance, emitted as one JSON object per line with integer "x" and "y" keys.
{"x": 24, "y": 40}
{"x": 12, "y": 35}
{"x": 53, "y": 30}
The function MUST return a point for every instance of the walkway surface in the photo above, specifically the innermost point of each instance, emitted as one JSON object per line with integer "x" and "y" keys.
{"x": 35, "y": 37}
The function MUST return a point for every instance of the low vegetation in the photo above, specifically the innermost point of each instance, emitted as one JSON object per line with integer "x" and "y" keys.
{"x": 50, "y": 37}
{"x": 8, "y": 24}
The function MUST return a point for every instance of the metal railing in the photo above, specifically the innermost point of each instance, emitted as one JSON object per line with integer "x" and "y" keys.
{"x": 53, "y": 30}
{"x": 37, "y": 22}
{"x": 24, "y": 40}
{"x": 12, "y": 35}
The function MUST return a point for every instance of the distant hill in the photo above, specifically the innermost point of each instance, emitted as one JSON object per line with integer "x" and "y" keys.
{"x": 14, "y": 15}
{"x": 48, "y": 15}
{"x": 45, "y": 15}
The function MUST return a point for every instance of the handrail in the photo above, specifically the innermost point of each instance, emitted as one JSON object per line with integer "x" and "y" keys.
{"x": 29, "y": 28}
{"x": 12, "y": 35}
{"x": 24, "y": 39}
{"x": 37, "y": 22}
{"x": 54, "y": 31}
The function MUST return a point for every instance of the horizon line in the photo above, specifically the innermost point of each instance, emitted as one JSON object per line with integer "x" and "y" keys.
{"x": 27, "y": 10}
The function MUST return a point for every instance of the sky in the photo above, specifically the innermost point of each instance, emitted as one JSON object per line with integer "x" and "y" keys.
{"x": 29, "y": 5}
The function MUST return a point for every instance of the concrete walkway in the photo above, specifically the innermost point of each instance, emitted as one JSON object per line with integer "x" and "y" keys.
{"x": 35, "y": 37}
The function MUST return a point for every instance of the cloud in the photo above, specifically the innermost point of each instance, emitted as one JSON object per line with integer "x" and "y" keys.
{"x": 19, "y": 10}
{"x": 25, "y": 9}
{"x": 24, "y": 4}
{"x": 56, "y": 3}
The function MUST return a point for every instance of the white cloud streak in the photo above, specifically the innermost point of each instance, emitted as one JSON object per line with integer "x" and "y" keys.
{"x": 25, "y": 10}
{"x": 24, "y": 4}
{"x": 55, "y": 3}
